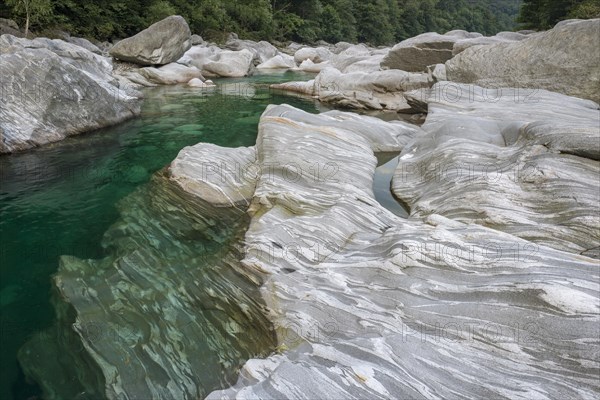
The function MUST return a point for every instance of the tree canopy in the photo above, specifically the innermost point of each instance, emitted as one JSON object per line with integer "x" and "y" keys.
{"x": 544, "y": 14}
{"x": 373, "y": 21}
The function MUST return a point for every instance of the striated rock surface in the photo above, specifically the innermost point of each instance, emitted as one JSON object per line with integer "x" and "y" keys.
{"x": 417, "y": 53}
{"x": 86, "y": 44}
{"x": 378, "y": 90}
{"x": 233, "y": 246}
{"x": 169, "y": 313}
{"x": 52, "y": 89}
{"x": 368, "y": 305}
{"x": 525, "y": 162}
{"x": 161, "y": 43}
{"x": 564, "y": 59}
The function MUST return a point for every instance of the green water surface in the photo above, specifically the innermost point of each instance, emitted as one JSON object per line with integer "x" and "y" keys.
{"x": 60, "y": 199}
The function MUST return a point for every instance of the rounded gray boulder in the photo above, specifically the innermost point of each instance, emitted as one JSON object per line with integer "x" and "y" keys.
{"x": 161, "y": 43}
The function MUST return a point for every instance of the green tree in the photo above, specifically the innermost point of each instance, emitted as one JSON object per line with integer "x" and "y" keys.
{"x": 544, "y": 14}
{"x": 31, "y": 10}
{"x": 585, "y": 10}
{"x": 160, "y": 9}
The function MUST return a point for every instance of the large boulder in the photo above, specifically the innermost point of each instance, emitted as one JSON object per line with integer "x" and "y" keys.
{"x": 417, "y": 53}
{"x": 502, "y": 37}
{"x": 564, "y": 59}
{"x": 53, "y": 89}
{"x": 314, "y": 54}
{"x": 161, "y": 43}
{"x": 262, "y": 50}
{"x": 10, "y": 27}
{"x": 280, "y": 61}
{"x": 378, "y": 90}
{"x": 197, "y": 56}
{"x": 228, "y": 63}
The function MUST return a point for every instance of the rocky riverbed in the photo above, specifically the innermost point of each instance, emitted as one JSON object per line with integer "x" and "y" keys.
{"x": 490, "y": 287}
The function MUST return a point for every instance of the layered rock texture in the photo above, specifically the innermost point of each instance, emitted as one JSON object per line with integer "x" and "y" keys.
{"x": 381, "y": 90}
{"x": 521, "y": 161}
{"x": 161, "y": 43}
{"x": 564, "y": 59}
{"x": 372, "y": 306}
{"x": 463, "y": 298}
{"x": 52, "y": 89}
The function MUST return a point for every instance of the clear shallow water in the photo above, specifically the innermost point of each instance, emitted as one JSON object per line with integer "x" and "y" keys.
{"x": 61, "y": 199}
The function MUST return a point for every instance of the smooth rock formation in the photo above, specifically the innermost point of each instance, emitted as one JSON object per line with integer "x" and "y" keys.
{"x": 280, "y": 61}
{"x": 368, "y": 305}
{"x": 309, "y": 66}
{"x": 170, "y": 74}
{"x": 232, "y": 64}
{"x": 262, "y": 51}
{"x": 380, "y": 90}
{"x": 53, "y": 89}
{"x": 367, "y": 64}
{"x": 197, "y": 56}
{"x": 314, "y": 54}
{"x": 197, "y": 40}
{"x": 417, "y": 53}
{"x": 564, "y": 59}
{"x": 86, "y": 44}
{"x": 501, "y": 37}
{"x": 525, "y": 162}
{"x": 161, "y": 43}
{"x": 199, "y": 83}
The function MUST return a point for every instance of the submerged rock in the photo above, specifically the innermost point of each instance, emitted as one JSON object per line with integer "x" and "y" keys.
{"x": 564, "y": 59}
{"x": 53, "y": 89}
{"x": 169, "y": 313}
{"x": 161, "y": 43}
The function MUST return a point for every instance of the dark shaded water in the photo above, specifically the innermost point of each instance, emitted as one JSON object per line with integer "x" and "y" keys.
{"x": 60, "y": 199}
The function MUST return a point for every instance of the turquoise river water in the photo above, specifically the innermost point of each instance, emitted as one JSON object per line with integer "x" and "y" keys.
{"x": 60, "y": 199}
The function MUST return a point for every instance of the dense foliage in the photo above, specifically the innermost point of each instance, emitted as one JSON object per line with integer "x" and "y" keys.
{"x": 373, "y": 21}
{"x": 544, "y": 14}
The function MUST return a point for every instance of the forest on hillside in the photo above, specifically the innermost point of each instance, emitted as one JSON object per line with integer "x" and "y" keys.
{"x": 377, "y": 22}
{"x": 373, "y": 21}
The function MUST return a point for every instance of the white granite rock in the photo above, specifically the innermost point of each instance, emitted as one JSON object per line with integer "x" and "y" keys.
{"x": 564, "y": 59}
